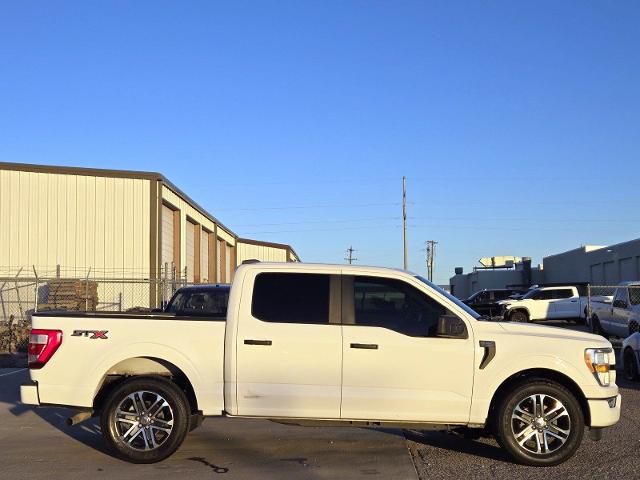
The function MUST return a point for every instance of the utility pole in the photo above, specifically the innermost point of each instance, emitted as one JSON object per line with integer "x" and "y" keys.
{"x": 350, "y": 258}
{"x": 431, "y": 254}
{"x": 404, "y": 220}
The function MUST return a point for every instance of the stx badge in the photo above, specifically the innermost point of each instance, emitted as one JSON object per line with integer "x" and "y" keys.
{"x": 92, "y": 334}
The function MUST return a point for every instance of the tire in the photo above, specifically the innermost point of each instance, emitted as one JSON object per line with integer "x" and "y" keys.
{"x": 596, "y": 327}
{"x": 519, "y": 316}
{"x": 132, "y": 405}
{"x": 630, "y": 365}
{"x": 522, "y": 434}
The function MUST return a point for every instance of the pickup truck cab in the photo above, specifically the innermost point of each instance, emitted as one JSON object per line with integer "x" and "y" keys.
{"x": 546, "y": 303}
{"x": 326, "y": 345}
{"x": 619, "y": 317}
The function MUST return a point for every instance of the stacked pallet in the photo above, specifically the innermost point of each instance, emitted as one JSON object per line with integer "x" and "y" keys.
{"x": 71, "y": 294}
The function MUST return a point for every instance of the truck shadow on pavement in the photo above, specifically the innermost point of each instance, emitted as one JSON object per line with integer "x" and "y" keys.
{"x": 457, "y": 443}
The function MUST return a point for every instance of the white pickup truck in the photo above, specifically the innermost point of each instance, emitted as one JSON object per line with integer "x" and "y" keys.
{"x": 326, "y": 345}
{"x": 546, "y": 303}
{"x": 619, "y": 317}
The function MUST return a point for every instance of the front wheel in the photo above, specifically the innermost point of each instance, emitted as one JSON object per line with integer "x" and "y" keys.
{"x": 596, "y": 327}
{"x": 145, "y": 419}
{"x": 519, "y": 316}
{"x": 630, "y": 365}
{"x": 540, "y": 423}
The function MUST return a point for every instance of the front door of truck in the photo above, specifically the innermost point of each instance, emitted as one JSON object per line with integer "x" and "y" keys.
{"x": 289, "y": 347}
{"x": 395, "y": 365}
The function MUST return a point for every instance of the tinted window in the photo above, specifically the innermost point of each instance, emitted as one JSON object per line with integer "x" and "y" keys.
{"x": 291, "y": 298}
{"x": 501, "y": 294}
{"x": 212, "y": 303}
{"x": 563, "y": 293}
{"x": 393, "y": 304}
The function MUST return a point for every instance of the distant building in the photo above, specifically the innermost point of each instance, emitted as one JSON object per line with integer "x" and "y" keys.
{"x": 117, "y": 223}
{"x": 597, "y": 265}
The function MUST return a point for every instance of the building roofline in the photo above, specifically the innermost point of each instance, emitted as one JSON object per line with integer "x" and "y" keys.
{"x": 102, "y": 172}
{"x": 283, "y": 246}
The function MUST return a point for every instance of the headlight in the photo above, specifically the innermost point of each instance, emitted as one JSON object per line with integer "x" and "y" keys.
{"x": 598, "y": 362}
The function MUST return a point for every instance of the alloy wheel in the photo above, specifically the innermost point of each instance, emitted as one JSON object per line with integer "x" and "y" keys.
{"x": 540, "y": 424}
{"x": 143, "y": 420}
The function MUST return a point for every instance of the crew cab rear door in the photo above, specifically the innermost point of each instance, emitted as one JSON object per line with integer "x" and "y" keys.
{"x": 395, "y": 365}
{"x": 289, "y": 346}
{"x": 565, "y": 303}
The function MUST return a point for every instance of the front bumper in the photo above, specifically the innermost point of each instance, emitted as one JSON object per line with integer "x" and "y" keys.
{"x": 604, "y": 412}
{"x": 29, "y": 393}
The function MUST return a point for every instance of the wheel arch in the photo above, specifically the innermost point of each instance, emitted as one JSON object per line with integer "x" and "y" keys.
{"x": 541, "y": 373}
{"x": 520, "y": 309}
{"x": 143, "y": 367}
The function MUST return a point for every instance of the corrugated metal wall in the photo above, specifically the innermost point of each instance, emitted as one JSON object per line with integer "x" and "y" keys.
{"x": 247, "y": 251}
{"x": 190, "y": 251}
{"x": 79, "y": 221}
{"x": 204, "y": 256}
{"x": 167, "y": 234}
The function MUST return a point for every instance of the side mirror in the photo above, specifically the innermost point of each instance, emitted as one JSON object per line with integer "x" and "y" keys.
{"x": 450, "y": 326}
{"x": 620, "y": 304}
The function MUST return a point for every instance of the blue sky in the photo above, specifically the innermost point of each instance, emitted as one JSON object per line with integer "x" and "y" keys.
{"x": 517, "y": 124}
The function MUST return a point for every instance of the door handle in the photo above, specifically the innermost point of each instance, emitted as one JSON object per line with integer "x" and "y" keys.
{"x": 574, "y": 301}
{"x": 365, "y": 346}
{"x": 258, "y": 342}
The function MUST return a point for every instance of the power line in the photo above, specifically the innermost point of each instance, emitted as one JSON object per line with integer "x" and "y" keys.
{"x": 404, "y": 221}
{"x": 430, "y": 248}
{"x": 350, "y": 258}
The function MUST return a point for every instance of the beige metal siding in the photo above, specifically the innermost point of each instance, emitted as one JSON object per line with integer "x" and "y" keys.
{"x": 204, "y": 256}
{"x": 75, "y": 221}
{"x": 247, "y": 251}
{"x": 190, "y": 251}
{"x": 167, "y": 237}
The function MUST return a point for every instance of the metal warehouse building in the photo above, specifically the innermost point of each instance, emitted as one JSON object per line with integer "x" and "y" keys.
{"x": 119, "y": 223}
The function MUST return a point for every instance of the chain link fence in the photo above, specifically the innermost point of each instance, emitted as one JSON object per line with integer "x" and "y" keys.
{"x": 26, "y": 292}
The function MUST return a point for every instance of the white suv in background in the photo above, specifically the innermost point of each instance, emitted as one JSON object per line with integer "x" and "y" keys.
{"x": 546, "y": 303}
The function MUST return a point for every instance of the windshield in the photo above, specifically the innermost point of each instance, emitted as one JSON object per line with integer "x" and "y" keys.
{"x": 464, "y": 307}
{"x": 530, "y": 293}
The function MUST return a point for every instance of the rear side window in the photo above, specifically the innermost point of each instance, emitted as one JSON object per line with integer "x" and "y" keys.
{"x": 201, "y": 303}
{"x": 291, "y": 298}
{"x": 563, "y": 293}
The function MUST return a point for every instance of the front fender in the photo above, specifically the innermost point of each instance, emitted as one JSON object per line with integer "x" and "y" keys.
{"x": 488, "y": 381}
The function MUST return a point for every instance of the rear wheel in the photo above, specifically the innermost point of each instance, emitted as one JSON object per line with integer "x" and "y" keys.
{"x": 630, "y": 364}
{"x": 145, "y": 420}
{"x": 519, "y": 316}
{"x": 540, "y": 423}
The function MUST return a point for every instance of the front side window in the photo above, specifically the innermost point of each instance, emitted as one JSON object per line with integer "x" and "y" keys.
{"x": 397, "y": 306}
{"x": 291, "y": 298}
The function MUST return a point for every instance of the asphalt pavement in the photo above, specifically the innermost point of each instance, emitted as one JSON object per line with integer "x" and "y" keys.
{"x": 36, "y": 444}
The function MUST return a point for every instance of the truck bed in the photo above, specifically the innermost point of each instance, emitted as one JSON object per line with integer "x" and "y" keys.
{"x": 97, "y": 345}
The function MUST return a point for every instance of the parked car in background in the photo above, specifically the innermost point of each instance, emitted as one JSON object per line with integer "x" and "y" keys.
{"x": 318, "y": 345}
{"x": 485, "y": 301}
{"x": 619, "y": 317}
{"x": 631, "y": 356}
{"x": 546, "y": 303}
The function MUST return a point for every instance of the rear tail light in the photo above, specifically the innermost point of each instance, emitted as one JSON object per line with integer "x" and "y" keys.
{"x": 42, "y": 345}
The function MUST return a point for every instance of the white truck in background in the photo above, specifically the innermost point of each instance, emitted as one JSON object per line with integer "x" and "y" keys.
{"x": 324, "y": 345}
{"x": 546, "y": 303}
{"x": 619, "y": 317}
